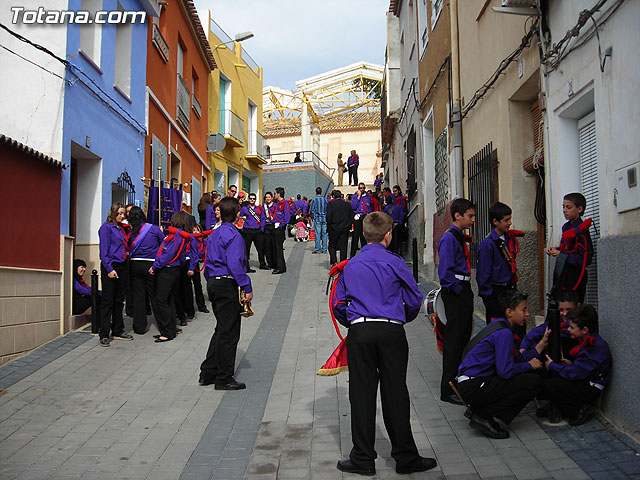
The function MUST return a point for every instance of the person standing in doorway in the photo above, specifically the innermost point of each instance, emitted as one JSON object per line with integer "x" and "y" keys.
{"x": 352, "y": 164}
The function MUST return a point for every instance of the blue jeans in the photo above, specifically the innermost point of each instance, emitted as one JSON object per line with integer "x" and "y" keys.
{"x": 320, "y": 227}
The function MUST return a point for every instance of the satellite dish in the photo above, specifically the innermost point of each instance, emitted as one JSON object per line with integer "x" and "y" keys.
{"x": 215, "y": 142}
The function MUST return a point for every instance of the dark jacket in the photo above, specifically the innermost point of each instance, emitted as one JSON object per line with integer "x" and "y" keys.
{"x": 339, "y": 216}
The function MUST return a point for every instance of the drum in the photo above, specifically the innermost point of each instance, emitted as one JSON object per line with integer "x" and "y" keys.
{"x": 434, "y": 306}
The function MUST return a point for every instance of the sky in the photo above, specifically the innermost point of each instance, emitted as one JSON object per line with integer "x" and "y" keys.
{"x": 298, "y": 39}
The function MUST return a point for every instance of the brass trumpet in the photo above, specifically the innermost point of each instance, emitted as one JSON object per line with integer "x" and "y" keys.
{"x": 247, "y": 311}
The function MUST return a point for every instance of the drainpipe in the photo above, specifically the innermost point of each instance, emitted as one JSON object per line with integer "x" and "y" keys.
{"x": 458, "y": 190}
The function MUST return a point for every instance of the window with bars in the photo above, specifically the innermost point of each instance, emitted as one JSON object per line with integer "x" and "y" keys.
{"x": 123, "y": 190}
{"x": 442, "y": 171}
{"x": 411, "y": 163}
{"x": 483, "y": 192}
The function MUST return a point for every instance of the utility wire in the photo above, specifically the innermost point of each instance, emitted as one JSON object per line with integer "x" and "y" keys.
{"x": 33, "y": 63}
{"x": 73, "y": 69}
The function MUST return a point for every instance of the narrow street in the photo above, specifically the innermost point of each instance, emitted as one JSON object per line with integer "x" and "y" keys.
{"x": 72, "y": 409}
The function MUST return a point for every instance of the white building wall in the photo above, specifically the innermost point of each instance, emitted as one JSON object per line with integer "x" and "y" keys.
{"x": 576, "y": 88}
{"x": 32, "y": 99}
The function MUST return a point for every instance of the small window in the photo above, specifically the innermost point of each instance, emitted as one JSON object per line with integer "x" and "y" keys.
{"x": 91, "y": 33}
{"x": 436, "y": 8}
{"x": 122, "y": 69}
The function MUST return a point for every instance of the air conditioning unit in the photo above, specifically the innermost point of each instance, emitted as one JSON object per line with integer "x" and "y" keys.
{"x": 520, "y": 3}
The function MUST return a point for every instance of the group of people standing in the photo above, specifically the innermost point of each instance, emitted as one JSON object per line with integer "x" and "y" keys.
{"x": 351, "y": 166}
{"x": 503, "y": 368}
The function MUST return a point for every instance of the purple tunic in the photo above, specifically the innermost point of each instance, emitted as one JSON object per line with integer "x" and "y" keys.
{"x": 362, "y": 205}
{"x": 377, "y": 283}
{"x": 227, "y": 255}
{"x": 250, "y": 220}
{"x": 492, "y": 267}
{"x": 592, "y": 363}
{"x": 452, "y": 261}
{"x": 113, "y": 245}
{"x": 147, "y": 242}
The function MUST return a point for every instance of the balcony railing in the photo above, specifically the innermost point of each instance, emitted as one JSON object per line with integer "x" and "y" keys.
{"x": 222, "y": 35}
{"x": 195, "y": 104}
{"x": 160, "y": 43}
{"x": 307, "y": 156}
{"x": 257, "y": 144}
{"x": 233, "y": 126}
{"x": 182, "y": 100}
{"x": 251, "y": 63}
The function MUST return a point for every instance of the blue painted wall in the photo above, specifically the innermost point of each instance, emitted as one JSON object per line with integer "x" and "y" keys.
{"x": 114, "y": 125}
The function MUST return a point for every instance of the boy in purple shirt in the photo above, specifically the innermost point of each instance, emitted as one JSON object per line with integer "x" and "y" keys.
{"x": 579, "y": 382}
{"x": 493, "y": 379}
{"x": 376, "y": 295}
{"x": 454, "y": 271}
{"x": 225, "y": 270}
{"x": 361, "y": 204}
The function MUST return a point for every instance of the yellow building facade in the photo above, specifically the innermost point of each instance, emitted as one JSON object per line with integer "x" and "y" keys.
{"x": 235, "y": 112}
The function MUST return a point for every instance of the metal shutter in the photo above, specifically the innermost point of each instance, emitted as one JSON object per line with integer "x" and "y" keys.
{"x": 589, "y": 180}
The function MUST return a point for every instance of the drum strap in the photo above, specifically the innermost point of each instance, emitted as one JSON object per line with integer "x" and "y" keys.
{"x": 484, "y": 333}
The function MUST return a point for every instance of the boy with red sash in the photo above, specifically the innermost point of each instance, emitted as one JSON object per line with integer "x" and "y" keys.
{"x": 361, "y": 204}
{"x": 579, "y": 382}
{"x": 253, "y": 230}
{"x": 575, "y": 252}
{"x": 497, "y": 270}
{"x": 454, "y": 271}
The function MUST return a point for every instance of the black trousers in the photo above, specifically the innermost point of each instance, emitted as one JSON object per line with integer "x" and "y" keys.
{"x": 143, "y": 285}
{"x": 353, "y": 174}
{"x": 491, "y": 303}
{"x": 197, "y": 290}
{"x": 219, "y": 365}
{"x": 378, "y": 353}
{"x": 569, "y": 395}
{"x": 459, "y": 312}
{"x": 356, "y": 236}
{"x": 166, "y": 290}
{"x": 184, "y": 295}
{"x": 278, "y": 253}
{"x": 394, "y": 246}
{"x": 255, "y": 236}
{"x": 338, "y": 241}
{"x": 269, "y": 245}
{"x": 112, "y": 300}
{"x": 493, "y": 396}
{"x": 80, "y": 304}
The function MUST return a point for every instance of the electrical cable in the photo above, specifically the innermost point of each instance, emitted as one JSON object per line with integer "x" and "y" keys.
{"x": 34, "y": 63}
{"x": 72, "y": 68}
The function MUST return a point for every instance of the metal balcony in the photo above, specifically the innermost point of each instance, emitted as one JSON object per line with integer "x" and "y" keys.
{"x": 232, "y": 127}
{"x": 257, "y": 146}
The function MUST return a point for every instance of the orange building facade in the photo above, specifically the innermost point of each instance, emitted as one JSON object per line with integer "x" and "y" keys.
{"x": 179, "y": 64}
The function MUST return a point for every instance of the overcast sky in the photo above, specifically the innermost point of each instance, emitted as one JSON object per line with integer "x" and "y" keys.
{"x": 298, "y": 39}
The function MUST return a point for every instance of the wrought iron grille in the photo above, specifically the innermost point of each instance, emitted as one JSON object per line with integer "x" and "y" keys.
{"x": 483, "y": 192}
{"x": 442, "y": 172}
{"x": 122, "y": 190}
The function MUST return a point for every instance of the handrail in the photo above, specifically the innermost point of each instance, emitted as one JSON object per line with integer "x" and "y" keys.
{"x": 307, "y": 156}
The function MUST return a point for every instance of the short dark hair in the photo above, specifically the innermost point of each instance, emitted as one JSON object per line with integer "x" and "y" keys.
{"x": 397, "y": 187}
{"x": 299, "y": 197}
{"x": 318, "y": 190}
{"x": 182, "y": 220}
{"x": 336, "y": 194}
{"x": 584, "y": 316}
{"x": 577, "y": 199}
{"x": 498, "y": 211}
{"x": 280, "y": 191}
{"x": 386, "y": 189}
{"x": 253, "y": 195}
{"x": 461, "y": 205}
{"x": 229, "y": 208}
{"x": 568, "y": 296}
{"x": 375, "y": 226}
{"x": 510, "y": 298}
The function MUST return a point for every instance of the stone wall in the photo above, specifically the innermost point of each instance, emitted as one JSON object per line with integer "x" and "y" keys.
{"x": 29, "y": 310}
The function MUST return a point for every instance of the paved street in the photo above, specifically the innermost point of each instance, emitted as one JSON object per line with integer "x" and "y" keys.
{"x": 72, "y": 409}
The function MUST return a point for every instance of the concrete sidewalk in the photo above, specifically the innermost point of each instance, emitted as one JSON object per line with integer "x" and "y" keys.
{"x": 72, "y": 409}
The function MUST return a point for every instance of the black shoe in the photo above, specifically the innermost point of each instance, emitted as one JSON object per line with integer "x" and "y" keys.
{"x": 250, "y": 270}
{"x": 582, "y": 416}
{"x": 489, "y": 427}
{"x": 178, "y": 331}
{"x": 543, "y": 411}
{"x": 204, "y": 381}
{"x": 105, "y": 342}
{"x": 203, "y": 309}
{"x": 122, "y": 336}
{"x": 183, "y": 323}
{"x": 264, "y": 267}
{"x": 453, "y": 398}
{"x": 191, "y": 317}
{"x": 421, "y": 465}
{"x": 468, "y": 413}
{"x": 230, "y": 385}
{"x": 277, "y": 272}
{"x": 162, "y": 340}
{"x": 347, "y": 466}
